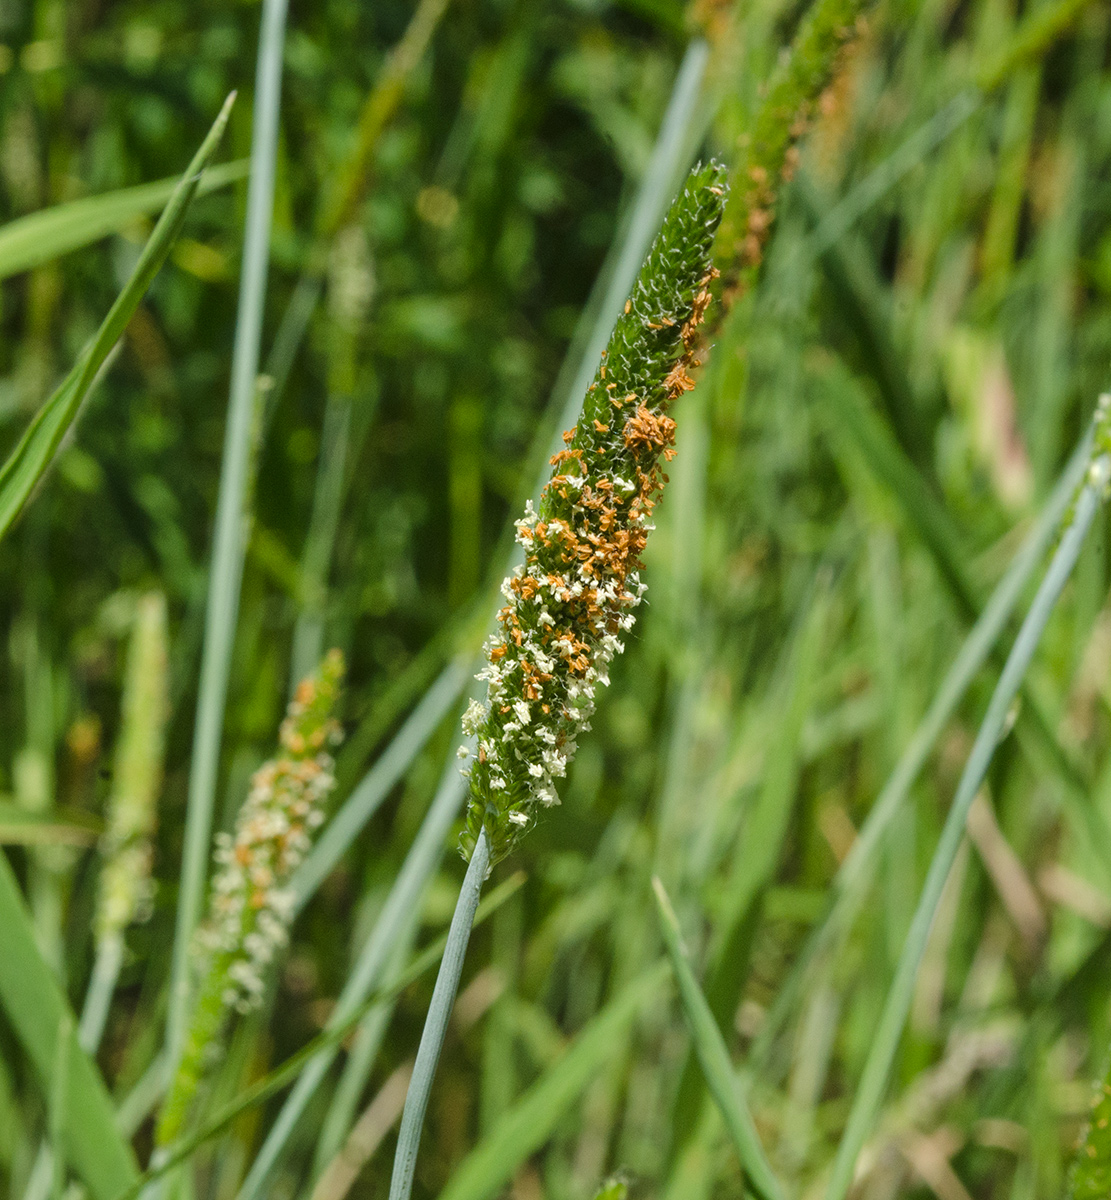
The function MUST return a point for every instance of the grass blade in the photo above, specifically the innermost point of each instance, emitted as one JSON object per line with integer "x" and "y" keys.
{"x": 877, "y": 1068}
{"x": 529, "y": 1123}
{"x": 38, "y": 445}
{"x": 713, "y": 1057}
{"x": 435, "y": 1023}
{"x": 228, "y": 550}
{"x": 41, "y": 237}
{"x": 39, "y": 1014}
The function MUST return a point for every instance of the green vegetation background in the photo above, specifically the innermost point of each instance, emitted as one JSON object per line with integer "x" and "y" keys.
{"x": 947, "y": 347}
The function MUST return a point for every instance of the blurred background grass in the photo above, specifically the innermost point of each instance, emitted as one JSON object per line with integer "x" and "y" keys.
{"x": 880, "y": 421}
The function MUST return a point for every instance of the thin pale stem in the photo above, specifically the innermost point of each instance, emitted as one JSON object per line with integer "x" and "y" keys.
{"x": 435, "y": 1023}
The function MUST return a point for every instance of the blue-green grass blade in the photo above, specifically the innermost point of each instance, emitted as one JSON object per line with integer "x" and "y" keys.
{"x": 39, "y": 444}
{"x": 530, "y": 1122}
{"x": 41, "y": 237}
{"x": 877, "y": 1068}
{"x": 39, "y": 1015}
{"x": 435, "y": 1023}
{"x": 713, "y": 1057}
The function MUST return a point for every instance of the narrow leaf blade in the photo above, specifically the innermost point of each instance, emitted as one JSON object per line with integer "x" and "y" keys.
{"x": 39, "y": 444}
{"x": 713, "y": 1057}
{"x": 38, "y": 1013}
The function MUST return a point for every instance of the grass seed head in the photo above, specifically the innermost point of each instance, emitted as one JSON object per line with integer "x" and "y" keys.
{"x": 572, "y": 601}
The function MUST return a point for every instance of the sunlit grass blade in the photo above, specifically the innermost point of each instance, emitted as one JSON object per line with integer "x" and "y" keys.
{"x": 531, "y": 1120}
{"x": 41, "y": 237}
{"x": 37, "y": 1011}
{"x": 874, "y": 1079}
{"x": 713, "y": 1057}
{"x": 38, "y": 445}
{"x": 349, "y": 182}
{"x": 226, "y": 568}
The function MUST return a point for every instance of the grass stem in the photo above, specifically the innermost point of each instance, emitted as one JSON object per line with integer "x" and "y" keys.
{"x": 435, "y": 1023}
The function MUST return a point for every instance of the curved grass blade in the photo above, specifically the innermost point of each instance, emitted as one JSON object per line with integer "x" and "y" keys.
{"x": 877, "y": 1068}
{"x": 38, "y": 445}
{"x": 713, "y": 1057}
{"x": 529, "y": 1123}
{"x": 46, "y": 1029}
{"x": 41, "y": 237}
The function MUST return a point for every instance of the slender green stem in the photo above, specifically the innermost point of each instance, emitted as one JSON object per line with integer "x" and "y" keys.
{"x": 435, "y": 1023}
{"x": 229, "y": 547}
{"x": 885, "y": 1042}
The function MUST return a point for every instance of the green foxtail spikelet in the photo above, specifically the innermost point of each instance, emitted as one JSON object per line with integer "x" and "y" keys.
{"x": 572, "y": 599}
{"x": 125, "y": 889}
{"x": 250, "y": 905}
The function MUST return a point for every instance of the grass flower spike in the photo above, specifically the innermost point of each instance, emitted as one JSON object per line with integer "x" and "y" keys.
{"x": 125, "y": 880}
{"x": 573, "y": 599}
{"x": 250, "y": 906}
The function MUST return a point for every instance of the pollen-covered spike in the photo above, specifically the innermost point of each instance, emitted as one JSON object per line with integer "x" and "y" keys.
{"x": 250, "y": 905}
{"x": 582, "y": 549}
